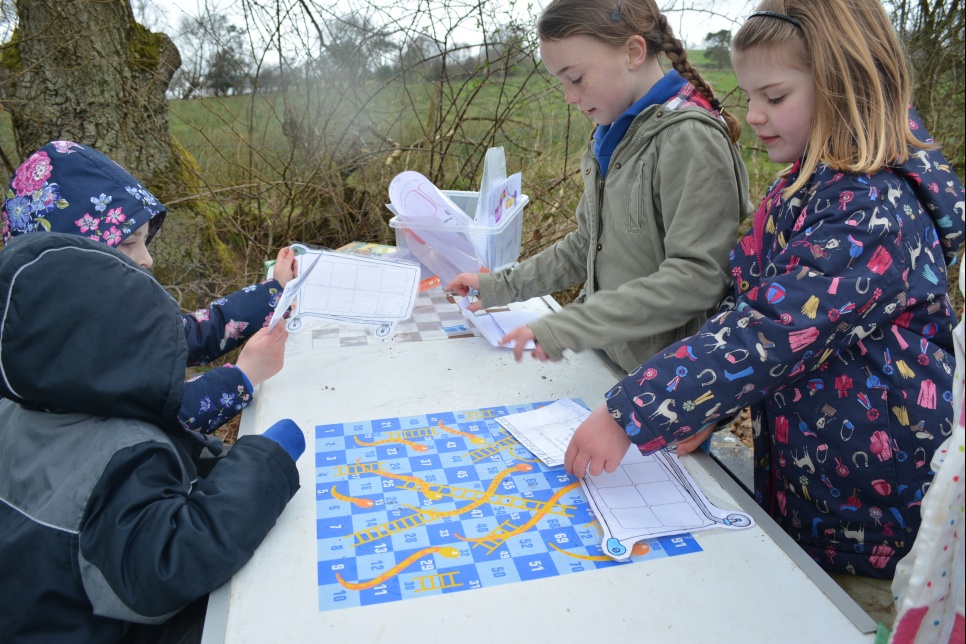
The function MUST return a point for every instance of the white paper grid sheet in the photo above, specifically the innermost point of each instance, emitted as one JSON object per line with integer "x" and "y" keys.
{"x": 651, "y": 496}
{"x": 356, "y": 290}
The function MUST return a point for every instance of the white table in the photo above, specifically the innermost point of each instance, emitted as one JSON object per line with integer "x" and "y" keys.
{"x": 751, "y": 585}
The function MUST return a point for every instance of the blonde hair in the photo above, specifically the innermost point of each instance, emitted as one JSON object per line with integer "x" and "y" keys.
{"x": 613, "y": 22}
{"x": 863, "y": 86}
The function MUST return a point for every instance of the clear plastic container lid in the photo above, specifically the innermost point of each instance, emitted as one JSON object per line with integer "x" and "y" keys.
{"x": 466, "y": 201}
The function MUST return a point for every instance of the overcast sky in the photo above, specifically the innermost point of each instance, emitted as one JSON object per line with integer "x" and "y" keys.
{"x": 691, "y": 20}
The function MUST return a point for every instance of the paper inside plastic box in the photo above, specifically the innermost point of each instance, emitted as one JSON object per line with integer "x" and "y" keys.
{"x": 497, "y": 247}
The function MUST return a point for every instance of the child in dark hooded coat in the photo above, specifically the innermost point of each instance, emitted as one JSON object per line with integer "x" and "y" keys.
{"x": 107, "y": 527}
{"x": 70, "y": 188}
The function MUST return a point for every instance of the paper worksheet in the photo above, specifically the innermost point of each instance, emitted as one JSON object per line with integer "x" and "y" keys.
{"x": 651, "y": 496}
{"x": 647, "y": 496}
{"x": 546, "y": 431}
{"x": 503, "y": 197}
{"x": 351, "y": 289}
{"x": 493, "y": 325}
{"x": 290, "y": 291}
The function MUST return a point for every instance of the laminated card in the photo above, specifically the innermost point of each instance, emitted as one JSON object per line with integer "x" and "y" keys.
{"x": 647, "y": 496}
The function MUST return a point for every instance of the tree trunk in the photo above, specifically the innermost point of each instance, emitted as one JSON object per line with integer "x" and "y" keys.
{"x": 85, "y": 71}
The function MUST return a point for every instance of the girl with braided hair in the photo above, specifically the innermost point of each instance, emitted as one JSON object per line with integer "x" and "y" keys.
{"x": 664, "y": 191}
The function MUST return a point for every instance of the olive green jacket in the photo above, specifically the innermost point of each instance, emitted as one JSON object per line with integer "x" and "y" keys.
{"x": 651, "y": 244}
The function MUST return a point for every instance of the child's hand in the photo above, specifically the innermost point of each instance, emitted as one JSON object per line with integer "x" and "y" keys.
{"x": 690, "y": 444}
{"x": 599, "y": 444}
{"x": 464, "y": 284}
{"x": 521, "y": 335}
{"x": 264, "y": 354}
{"x": 286, "y": 266}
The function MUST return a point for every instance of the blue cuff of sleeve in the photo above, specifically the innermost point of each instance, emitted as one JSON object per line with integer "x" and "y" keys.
{"x": 289, "y": 435}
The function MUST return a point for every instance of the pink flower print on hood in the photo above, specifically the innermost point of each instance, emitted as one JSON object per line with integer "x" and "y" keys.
{"x": 112, "y": 236}
{"x": 88, "y": 223}
{"x": 32, "y": 174}
{"x": 114, "y": 216}
{"x": 70, "y": 188}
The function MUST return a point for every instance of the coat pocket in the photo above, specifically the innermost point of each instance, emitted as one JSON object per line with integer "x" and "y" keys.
{"x": 636, "y": 185}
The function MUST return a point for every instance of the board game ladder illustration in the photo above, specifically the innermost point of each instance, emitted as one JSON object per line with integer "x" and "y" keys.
{"x": 449, "y": 502}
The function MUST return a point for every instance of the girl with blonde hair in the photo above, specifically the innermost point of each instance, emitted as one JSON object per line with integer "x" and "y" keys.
{"x": 838, "y": 331}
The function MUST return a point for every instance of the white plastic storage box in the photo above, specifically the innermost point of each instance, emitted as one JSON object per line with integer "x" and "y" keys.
{"x": 497, "y": 246}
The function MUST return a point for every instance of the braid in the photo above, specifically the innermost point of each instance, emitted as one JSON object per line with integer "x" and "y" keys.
{"x": 678, "y": 55}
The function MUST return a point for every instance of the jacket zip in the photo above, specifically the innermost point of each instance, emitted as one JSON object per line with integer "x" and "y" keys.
{"x": 761, "y": 218}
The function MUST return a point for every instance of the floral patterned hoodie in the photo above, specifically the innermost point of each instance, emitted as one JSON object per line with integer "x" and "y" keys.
{"x": 838, "y": 336}
{"x": 70, "y": 188}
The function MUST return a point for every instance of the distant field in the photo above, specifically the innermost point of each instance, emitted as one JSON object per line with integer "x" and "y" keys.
{"x": 215, "y": 130}
{"x": 524, "y": 117}
{"x": 235, "y": 138}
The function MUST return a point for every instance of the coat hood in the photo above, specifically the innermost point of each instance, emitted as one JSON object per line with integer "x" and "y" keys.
{"x": 688, "y": 103}
{"x": 931, "y": 177}
{"x": 84, "y": 329}
{"x": 65, "y": 187}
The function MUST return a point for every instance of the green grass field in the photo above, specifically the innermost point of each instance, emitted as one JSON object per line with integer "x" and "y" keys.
{"x": 443, "y": 128}
{"x": 526, "y": 114}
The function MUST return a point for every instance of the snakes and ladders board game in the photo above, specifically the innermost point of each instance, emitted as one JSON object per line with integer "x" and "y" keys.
{"x": 448, "y": 502}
